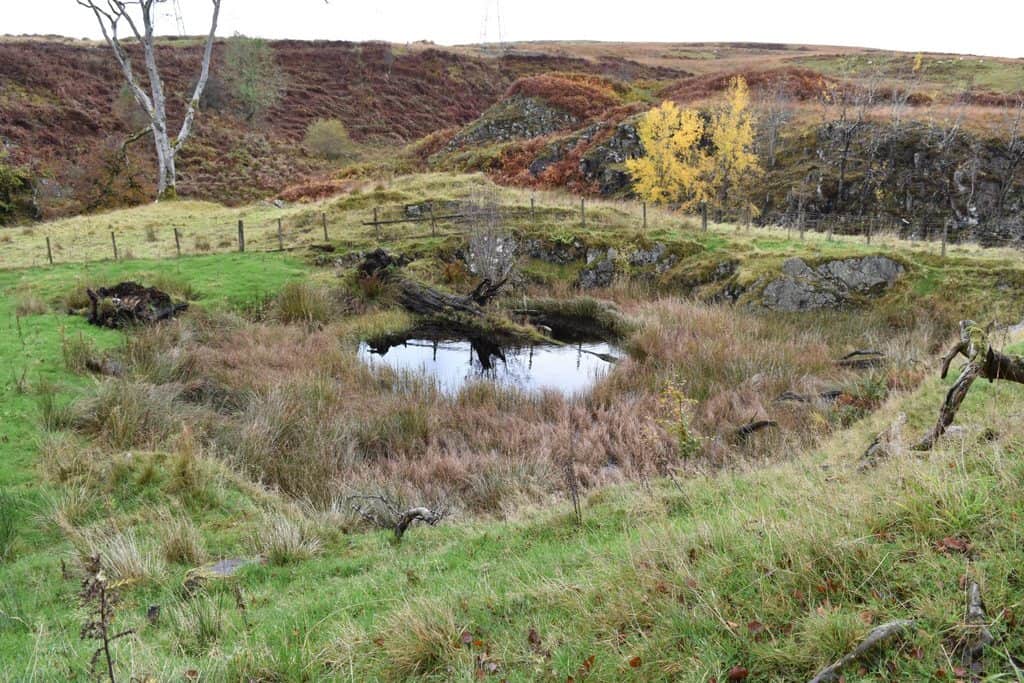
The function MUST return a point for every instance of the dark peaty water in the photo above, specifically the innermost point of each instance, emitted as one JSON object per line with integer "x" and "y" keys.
{"x": 570, "y": 369}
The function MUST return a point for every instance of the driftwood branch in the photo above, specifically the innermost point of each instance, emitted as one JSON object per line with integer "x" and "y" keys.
{"x": 982, "y": 361}
{"x": 877, "y": 636}
{"x": 420, "y": 514}
{"x": 388, "y": 515}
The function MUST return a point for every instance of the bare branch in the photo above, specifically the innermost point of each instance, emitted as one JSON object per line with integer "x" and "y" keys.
{"x": 873, "y": 639}
{"x": 204, "y": 74}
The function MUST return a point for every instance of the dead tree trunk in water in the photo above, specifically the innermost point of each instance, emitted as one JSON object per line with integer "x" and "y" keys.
{"x": 422, "y": 300}
{"x": 982, "y": 361}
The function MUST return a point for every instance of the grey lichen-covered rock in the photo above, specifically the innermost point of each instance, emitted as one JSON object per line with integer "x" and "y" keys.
{"x": 831, "y": 284}
{"x": 560, "y": 253}
{"x": 515, "y": 118}
{"x": 599, "y": 274}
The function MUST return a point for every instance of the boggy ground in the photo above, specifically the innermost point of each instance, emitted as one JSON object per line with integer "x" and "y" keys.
{"x": 241, "y": 429}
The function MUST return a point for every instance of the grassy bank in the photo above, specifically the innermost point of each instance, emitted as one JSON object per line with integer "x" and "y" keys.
{"x": 239, "y": 431}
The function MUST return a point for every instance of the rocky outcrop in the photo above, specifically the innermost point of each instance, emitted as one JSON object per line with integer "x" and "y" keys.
{"x": 832, "y": 284}
{"x": 604, "y": 163}
{"x": 515, "y": 118}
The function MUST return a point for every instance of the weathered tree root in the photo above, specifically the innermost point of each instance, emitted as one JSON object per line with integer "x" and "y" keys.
{"x": 982, "y": 361}
{"x": 877, "y": 636}
{"x": 973, "y": 654}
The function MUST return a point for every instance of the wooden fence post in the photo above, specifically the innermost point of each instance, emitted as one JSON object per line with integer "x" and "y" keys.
{"x": 945, "y": 237}
{"x": 801, "y": 226}
{"x": 433, "y": 223}
{"x": 177, "y": 242}
{"x": 49, "y": 251}
{"x": 583, "y": 214}
{"x": 871, "y": 221}
{"x": 830, "y": 230}
{"x": 323, "y": 220}
{"x": 704, "y": 216}
{"x": 241, "y": 236}
{"x": 376, "y": 225}
{"x": 644, "y": 205}
{"x": 113, "y": 241}
{"x": 280, "y": 236}
{"x": 533, "y": 217}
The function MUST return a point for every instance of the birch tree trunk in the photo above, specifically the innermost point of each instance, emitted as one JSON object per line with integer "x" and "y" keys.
{"x": 110, "y": 14}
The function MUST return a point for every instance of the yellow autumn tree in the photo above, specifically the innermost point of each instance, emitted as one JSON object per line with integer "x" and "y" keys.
{"x": 671, "y": 168}
{"x": 733, "y": 163}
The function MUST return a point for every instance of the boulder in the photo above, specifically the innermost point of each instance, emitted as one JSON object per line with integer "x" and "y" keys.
{"x": 832, "y": 284}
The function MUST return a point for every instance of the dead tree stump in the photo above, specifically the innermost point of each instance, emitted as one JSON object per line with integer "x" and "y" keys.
{"x": 982, "y": 361}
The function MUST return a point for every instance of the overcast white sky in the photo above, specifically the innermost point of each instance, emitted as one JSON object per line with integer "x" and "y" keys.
{"x": 977, "y": 27}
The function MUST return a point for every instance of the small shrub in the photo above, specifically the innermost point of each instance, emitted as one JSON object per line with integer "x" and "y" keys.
{"x": 679, "y": 408}
{"x": 30, "y": 304}
{"x": 6, "y": 238}
{"x": 302, "y": 302}
{"x": 253, "y": 75}
{"x": 70, "y": 507}
{"x": 199, "y": 623}
{"x": 79, "y": 353}
{"x": 328, "y": 139}
{"x": 9, "y": 513}
{"x": 125, "y": 413}
{"x": 180, "y": 541}
{"x": 371, "y": 285}
{"x": 76, "y": 299}
{"x": 284, "y": 542}
{"x": 201, "y": 243}
{"x": 124, "y": 557}
{"x": 54, "y": 412}
{"x": 420, "y": 639}
{"x": 150, "y": 233}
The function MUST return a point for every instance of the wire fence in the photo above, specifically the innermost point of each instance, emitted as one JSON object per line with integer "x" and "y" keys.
{"x": 442, "y": 218}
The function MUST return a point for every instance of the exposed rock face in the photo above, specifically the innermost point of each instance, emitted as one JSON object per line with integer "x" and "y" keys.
{"x": 604, "y": 163}
{"x": 560, "y": 253}
{"x": 831, "y": 284}
{"x": 600, "y": 270}
{"x": 515, "y": 118}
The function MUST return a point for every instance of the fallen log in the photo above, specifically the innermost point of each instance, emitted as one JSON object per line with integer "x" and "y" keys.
{"x": 421, "y": 299}
{"x": 873, "y": 639}
{"x": 982, "y": 361}
{"x": 129, "y": 303}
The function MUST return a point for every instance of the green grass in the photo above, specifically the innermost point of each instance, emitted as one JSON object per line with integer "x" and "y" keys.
{"x": 779, "y": 568}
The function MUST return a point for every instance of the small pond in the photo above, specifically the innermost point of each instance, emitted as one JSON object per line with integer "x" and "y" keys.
{"x": 570, "y": 369}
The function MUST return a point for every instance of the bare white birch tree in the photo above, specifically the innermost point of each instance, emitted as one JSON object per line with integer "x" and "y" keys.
{"x": 138, "y": 16}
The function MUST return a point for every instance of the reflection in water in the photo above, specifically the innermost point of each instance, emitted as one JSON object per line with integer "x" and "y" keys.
{"x": 569, "y": 369}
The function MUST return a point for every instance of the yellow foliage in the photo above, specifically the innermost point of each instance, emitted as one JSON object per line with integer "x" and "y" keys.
{"x": 734, "y": 163}
{"x": 671, "y": 168}
{"x": 676, "y": 169}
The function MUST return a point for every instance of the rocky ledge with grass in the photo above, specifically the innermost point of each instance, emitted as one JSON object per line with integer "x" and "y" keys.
{"x": 831, "y": 284}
